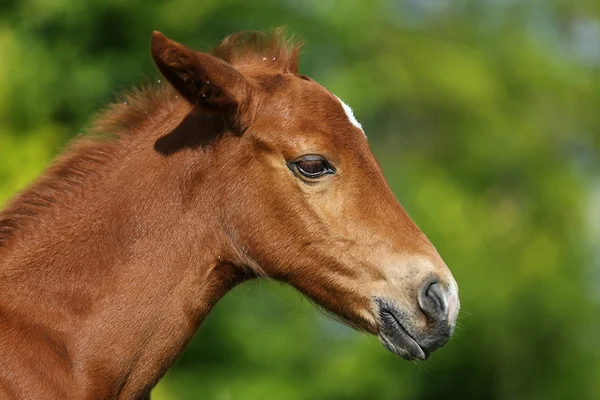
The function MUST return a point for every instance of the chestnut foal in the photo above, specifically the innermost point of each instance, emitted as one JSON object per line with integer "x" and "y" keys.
{"x": 237, "y": 168}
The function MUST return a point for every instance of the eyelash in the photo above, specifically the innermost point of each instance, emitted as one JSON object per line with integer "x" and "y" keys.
{"x": 311, "y": 166}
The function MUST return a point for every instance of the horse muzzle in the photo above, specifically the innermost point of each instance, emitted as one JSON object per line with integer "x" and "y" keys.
{"x": 398, "y": 331}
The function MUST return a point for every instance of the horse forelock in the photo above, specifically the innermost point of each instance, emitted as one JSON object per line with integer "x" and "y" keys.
{"x": 270, "y": 51}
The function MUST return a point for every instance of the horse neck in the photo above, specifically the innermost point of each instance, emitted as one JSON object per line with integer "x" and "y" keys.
{"x": 121, "y": 277}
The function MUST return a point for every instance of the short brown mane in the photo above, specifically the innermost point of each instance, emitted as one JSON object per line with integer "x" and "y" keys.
{"x": 129, "y": 115}
{"x": 267, "y": 50}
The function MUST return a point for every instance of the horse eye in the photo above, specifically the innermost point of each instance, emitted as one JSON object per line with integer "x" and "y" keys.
{"x": 311, "y": 166}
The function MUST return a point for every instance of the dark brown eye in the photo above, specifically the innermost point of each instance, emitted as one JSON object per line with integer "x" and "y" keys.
{"x": 311, "y": 166}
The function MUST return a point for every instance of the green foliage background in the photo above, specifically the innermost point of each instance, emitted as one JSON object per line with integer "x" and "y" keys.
{"x": 485, "y": 117}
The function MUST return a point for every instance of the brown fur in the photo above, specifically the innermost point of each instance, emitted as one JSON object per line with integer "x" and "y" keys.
{"x": 130, "y": 116}
{"x": 111, "y": 259}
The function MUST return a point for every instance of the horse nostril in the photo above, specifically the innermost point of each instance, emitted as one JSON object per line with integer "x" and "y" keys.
{"x": 433, "y": 301}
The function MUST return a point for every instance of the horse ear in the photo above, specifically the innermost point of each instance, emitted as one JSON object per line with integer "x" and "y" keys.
{"x": 201, "y": 78}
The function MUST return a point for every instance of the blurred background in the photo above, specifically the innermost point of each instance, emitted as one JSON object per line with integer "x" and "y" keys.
{"x": 485, "y": 115}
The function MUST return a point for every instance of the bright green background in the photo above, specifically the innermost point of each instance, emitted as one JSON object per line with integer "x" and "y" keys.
{"x": 485, "y": 116}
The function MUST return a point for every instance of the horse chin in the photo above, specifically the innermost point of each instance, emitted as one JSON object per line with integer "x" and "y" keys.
{"x": 406, "y": 347}
{"x": 396, "y": 338}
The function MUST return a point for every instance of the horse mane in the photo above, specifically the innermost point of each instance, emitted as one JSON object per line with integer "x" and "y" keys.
{"x": 270, "y": 51}
{"x": 86, "y": 156}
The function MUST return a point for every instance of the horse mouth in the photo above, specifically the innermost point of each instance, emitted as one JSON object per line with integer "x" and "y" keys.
{"x": 396, "y": 338}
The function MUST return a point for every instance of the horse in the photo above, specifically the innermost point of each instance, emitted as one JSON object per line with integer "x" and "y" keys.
{"x": 234, "y": 167}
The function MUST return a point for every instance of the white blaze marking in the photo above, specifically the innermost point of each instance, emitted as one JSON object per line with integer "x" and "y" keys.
{"x": 350, "y": 114}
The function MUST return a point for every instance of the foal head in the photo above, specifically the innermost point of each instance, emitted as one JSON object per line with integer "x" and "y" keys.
{"x": 303, "y": 199}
